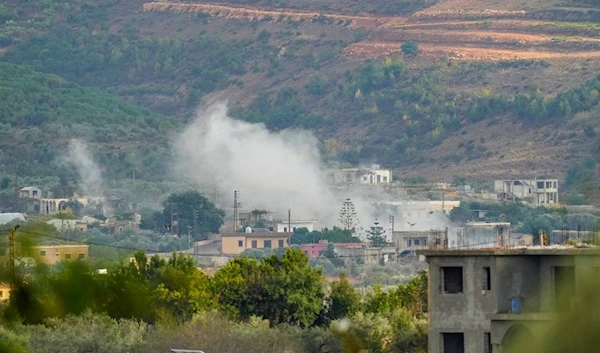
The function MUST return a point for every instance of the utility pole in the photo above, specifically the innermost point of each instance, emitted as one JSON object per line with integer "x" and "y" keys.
{"x": 443, "y": 199}
{"x": 174, "y": 221}
{"x": 235, "y": 210}
{"x": 11, "y": 251}
{"x": 190, "y": 238}
{"x": 392, "y": 224}
{"x": 195, "y": 223}
{"x": 290, "y": 220}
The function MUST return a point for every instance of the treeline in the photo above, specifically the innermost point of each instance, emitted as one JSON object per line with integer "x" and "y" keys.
{"x": 537, "y": 107}
{"x": 283, "y": 290}
{"x": 126, "y": 59}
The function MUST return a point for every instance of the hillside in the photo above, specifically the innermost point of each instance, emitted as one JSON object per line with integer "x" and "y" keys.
{"x": 497, "y": 88}
{"x": 40, "y": 113}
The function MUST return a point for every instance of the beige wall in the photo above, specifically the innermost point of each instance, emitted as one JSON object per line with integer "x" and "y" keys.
{"x": 4, "y": 291}
{"x": 51, "y": 255}
{"x": 230, "y": 245}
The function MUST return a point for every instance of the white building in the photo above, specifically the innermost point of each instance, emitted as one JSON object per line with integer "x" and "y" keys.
{"x": 372, "y": 175}
{"x": 283, "y": 226}
{"x": 537, "y": 192}
{"x": 421, "y": 210}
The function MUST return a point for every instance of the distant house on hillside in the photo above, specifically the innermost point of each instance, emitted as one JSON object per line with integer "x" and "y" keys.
{"x": 372, "y": 175}
{"x": 536, "y": 192}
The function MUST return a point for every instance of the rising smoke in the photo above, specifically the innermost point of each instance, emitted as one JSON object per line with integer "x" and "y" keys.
{"x": 90, "y": 173}
{"x": 276, "y": 171}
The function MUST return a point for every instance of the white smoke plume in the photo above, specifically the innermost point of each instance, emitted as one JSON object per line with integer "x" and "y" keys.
{"x": 275, "y": 171}
{"x": 91, "y": 175}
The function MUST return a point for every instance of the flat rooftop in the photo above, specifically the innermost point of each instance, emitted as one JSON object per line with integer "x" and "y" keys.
{"x": 532, "y": 251}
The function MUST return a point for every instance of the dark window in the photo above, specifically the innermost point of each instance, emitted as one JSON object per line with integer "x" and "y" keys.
{"x": 42, "y": 253}
{"x": 285, "y": 229}
{"x": 82, "y": 256}
{"x": 281, "y": 243}
{"x": 267, "y": 244}
{"x": 452, "y": 280}
{"x": 417, "y": 242}
{"x": 487, "y": 279}
{"x": 67, "y": 256}
{"x": 564, "y": 286}
{"x": 487, "y": 342}
{"x": 453, "y": 342}
{"x": 240, "y": 243}
{"x": 540, "y": 184}
{"x": 254, "y": 244}
{"x": 34, "y": 193}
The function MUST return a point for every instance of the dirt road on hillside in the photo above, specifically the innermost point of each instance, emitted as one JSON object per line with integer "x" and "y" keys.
{"x": 439, "y": 31}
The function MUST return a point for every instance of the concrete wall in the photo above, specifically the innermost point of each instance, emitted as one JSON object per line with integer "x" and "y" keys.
{"x": 464, "y": 312}
{"x": 517, "y": 276}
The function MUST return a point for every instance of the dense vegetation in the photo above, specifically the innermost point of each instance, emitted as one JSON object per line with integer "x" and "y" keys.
{"x": 40, "y": 113}
{"x": 285, "y": 291}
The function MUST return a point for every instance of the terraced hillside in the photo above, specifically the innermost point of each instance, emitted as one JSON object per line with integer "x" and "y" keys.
{"x": 497, "y": 88}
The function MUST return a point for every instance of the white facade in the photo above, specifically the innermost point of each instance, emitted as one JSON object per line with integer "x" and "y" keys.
{"x": 534, "y": 191}
{"x": 283, "y": 226}
{"x": 416, "y": 210}
{"x": 373, "y": 175}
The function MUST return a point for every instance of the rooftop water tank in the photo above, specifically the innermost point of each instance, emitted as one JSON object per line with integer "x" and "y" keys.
{"x": 248, "y": 230}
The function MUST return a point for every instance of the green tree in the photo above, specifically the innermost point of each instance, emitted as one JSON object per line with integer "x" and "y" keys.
{"x": 184, "y": 204}
{"x": 461, "y": 214}
{"x": 410, "y": 48}
{"x": 281, "y": 290}
{"x": 376, "y": 235}
{"x": 329, "y": 251}
{"x": 349, "y": 217}
{"x": 344, "y": 301}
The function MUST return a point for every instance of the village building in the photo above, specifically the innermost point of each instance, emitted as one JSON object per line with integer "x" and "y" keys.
{"x": 480, "y": 300}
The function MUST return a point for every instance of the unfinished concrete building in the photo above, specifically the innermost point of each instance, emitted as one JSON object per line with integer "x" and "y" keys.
{"x": 481, "y": 300}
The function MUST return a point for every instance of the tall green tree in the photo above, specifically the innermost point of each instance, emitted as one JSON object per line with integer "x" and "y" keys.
{"x": 184, "y": 205}
{"x": 349, "y": 217}
{"x": 376, "y": 235}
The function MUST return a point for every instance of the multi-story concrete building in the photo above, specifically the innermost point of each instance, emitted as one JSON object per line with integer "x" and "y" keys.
{"x": 372, "y": 175}
{"x": 481, "y": 300}
{"x": 236, "y": 243}
{"x": 418, "y": 240}
{"x": 537, "y": 192}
